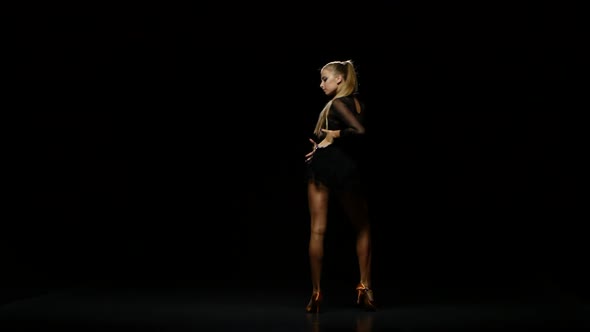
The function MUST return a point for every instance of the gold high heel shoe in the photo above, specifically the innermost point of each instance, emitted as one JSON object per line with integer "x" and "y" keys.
{"x": 365, "y": 297}
{"x": 314, "y": 303}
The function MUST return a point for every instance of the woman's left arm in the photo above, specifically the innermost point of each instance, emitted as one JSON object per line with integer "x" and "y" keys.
{"x": 352, "y": 125}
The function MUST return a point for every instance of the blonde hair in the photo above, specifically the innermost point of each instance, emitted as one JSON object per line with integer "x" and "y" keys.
{"x": 348, "y": 87}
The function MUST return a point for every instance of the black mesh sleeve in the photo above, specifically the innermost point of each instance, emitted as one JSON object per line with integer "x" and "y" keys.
{"x": 352, "y": 125}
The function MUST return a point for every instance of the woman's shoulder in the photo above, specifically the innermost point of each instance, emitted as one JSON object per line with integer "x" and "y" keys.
{"x": 348, "y": 100}
{"x": 350, "y": 97}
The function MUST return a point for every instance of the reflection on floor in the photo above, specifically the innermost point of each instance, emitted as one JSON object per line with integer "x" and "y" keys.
{"x": 280, "y": 307}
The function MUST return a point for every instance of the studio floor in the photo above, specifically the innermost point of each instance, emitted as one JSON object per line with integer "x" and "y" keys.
{"x": 234, "y": 306}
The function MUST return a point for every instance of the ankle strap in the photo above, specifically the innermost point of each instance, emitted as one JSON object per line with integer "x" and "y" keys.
{"x": 362, "y": 286}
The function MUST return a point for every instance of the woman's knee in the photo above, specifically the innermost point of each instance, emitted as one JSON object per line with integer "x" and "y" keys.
{"x": 318, "y": 229}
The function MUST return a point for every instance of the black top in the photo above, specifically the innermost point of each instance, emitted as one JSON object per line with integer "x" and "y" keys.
{"x": 339, "y": 166}
{"x": 344, "y": 116}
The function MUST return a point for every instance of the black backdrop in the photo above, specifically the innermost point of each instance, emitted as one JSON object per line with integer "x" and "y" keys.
{"x": 162, "y": 147}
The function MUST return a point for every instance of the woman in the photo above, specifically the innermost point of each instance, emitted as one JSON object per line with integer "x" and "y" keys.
{"x": 334, "y": 168}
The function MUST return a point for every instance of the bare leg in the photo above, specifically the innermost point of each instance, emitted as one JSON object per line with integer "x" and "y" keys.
{"x": 356, "y": 208}
{"x": 318, "y": 210}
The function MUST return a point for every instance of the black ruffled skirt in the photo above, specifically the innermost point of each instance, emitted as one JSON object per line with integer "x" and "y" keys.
{"x": 335, "y": 168}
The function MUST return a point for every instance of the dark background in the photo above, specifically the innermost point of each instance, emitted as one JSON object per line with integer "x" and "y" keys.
{"x": 168, "y": 145}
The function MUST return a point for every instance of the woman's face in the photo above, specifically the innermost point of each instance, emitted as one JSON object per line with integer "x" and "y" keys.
{"x": 329, "y": 81}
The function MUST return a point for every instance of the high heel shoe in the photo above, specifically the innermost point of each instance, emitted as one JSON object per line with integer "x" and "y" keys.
{"x": 365, "y": 297}
{"x": 314, "y": 303}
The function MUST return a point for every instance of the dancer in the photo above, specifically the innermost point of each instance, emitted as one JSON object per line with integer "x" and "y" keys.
{"x": 335, "y": 168}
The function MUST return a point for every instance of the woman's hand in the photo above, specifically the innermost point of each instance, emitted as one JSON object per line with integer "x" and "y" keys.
{"x": 329, "y": 139}
{"x": 310, "y": 154}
